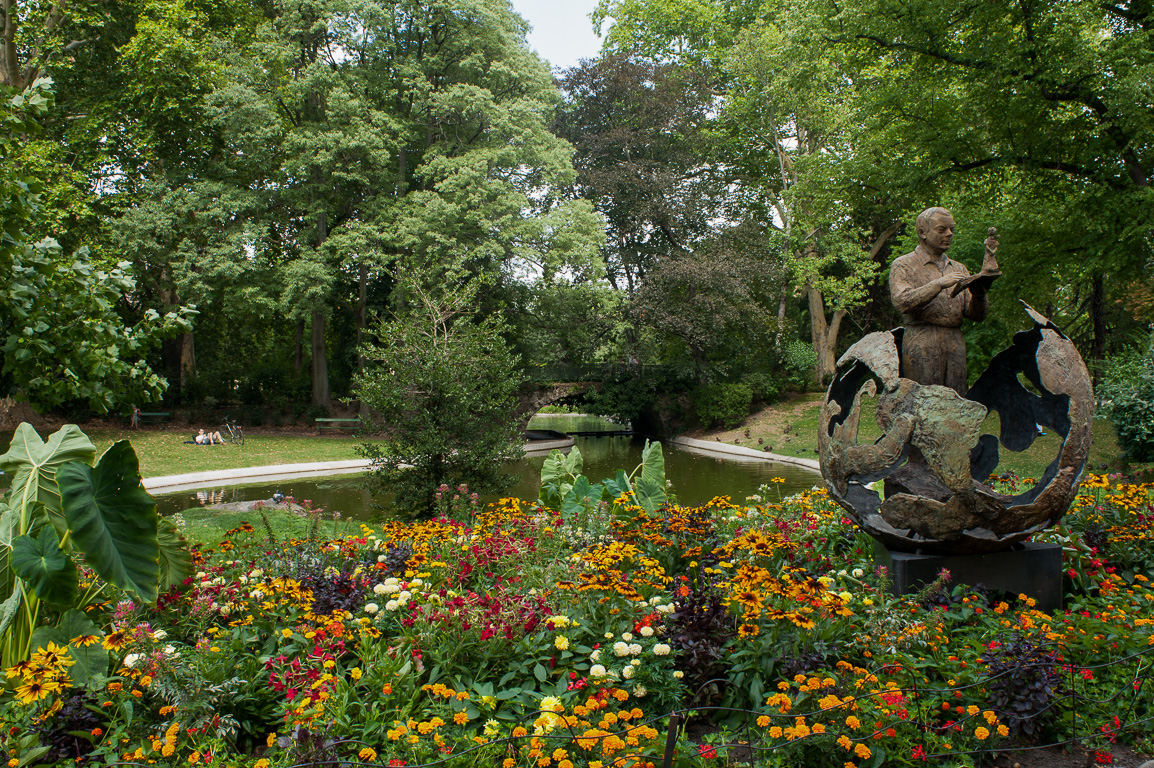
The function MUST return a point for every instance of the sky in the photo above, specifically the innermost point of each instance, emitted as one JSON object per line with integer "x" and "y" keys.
{"x": 562, "y": 32}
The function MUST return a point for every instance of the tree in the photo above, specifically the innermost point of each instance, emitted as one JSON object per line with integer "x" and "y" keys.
{"x": 63, "y": 337}
{"x": 1036, "y": 116}
{"x": 443, "y": 384}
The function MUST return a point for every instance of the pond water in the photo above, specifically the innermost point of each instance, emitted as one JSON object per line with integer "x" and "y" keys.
{"x": 696, "y": 477}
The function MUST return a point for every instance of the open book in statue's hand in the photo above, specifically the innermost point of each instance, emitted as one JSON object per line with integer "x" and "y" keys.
{"x": 990, "y": 269}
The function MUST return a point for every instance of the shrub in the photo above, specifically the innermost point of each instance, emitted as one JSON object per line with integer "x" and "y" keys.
{"x": 1127, "y": 397}
{"x": 724, "y": 404}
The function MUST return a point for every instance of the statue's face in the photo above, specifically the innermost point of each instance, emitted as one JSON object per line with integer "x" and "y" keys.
{"x": 940, "y": 233}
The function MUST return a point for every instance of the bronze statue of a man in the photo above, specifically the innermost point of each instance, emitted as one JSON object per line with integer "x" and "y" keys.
{"x": 933, "y": 292}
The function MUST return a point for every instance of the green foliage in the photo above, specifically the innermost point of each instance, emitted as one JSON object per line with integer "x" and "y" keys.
{"x": 60, "y": 507}
{"x": 564, "y": 488}
{"x": 444, "y": 386}
{"x": 722, "y": 403}
{"x": 63, "y": 339}
{"x": 1127, "y": 397}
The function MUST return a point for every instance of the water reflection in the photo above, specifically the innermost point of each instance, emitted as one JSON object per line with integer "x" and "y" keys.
{"x": 697, "y": 477}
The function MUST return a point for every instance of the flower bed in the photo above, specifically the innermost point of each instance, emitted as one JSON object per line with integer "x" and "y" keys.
{"x": 525, "y": 636}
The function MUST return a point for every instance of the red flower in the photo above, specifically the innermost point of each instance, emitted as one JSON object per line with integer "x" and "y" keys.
{"x": 707, "y": 751}
{"x": 1103, "y": 758}
{"x": 919, "y": 753}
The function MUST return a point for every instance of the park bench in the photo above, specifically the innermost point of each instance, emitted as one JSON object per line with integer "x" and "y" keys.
{"x": 152, "y": 417}
{"x": 353, "y": 423}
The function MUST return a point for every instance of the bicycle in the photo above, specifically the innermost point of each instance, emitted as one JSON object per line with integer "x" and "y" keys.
{"x": 232, "y": 431}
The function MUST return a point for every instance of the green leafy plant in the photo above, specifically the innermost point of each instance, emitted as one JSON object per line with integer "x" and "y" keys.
{"x": 722, "y": 404}
{"x": 61, "y": 505}
{"x": 1127, "y": 397}
{"x": 565, "y": 489}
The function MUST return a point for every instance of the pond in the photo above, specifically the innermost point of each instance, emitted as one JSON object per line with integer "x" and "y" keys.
{"x": 696, "y": 477}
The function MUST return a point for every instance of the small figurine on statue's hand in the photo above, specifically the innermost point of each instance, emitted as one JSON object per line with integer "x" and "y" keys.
{"x": 989, "y": 262}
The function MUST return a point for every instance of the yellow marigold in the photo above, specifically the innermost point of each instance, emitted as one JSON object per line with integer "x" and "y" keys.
{"x": 818, "y": 728}
{"x": 972, "y": 710}
{"x": 518, "y": 732}
{"x": 262, "y": 763}
{"x": 981, "y": 734}
{"x": 862, "y": 751}
{"x": 194, "y": 758}
{"x": 1003, "y": 731}
{"x": 775, "y": 732}
{"x": 763, "y": 721}
{"x": 368, "y": 753}
{"x": 844, "y": 742}
{"x": 460, "y": 718}
{"x": 853, "y": 722}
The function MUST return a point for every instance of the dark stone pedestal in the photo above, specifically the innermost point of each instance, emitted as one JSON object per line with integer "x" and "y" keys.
{"x": 1028, "y": 568}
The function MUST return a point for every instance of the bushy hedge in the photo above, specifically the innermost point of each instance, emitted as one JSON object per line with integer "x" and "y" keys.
{"x": 1127, "y": 397}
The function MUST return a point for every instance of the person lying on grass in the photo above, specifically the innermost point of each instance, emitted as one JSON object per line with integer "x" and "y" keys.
{"x": 208, "y": 438}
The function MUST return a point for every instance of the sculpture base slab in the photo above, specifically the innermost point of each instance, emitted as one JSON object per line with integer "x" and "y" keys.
{"x": 1028, "y": 568}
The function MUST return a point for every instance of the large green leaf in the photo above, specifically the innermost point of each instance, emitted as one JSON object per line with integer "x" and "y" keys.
{"x": 91, "y": 660}
{"x": 653, "y": 464}
{"x": 175, "y": 558}
{"x": 9, "y": 530}
{"x": 33, "y": 464}
{"x": 113, "y": 519}
{"x": 9, "y": 608}
{"x": 48, "y": 571}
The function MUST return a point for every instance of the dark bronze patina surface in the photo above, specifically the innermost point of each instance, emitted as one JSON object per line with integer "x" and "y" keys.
{"x": 932, "y": 457}
{"x": 941, "y": 504}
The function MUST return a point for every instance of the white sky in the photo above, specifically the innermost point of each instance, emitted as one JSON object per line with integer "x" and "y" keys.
{"x": 562, "y": 32}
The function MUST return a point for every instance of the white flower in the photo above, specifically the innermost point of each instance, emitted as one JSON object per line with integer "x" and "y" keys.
{"x": 667, "y": 608}
{"x": 596, "y": 655}
{"x": 159, "y": 634}
{"x": 597, "y": 671}
{"x": 416, "y": 583}
{"x": 392, "y": 580}
{"x": 639, "y": 691}
{"x": 620, "y": 648}
{"x": 391, "y": 589}
{"x": 661, "y": 649}
{"x": 647, "y": 631}
{"x": 627, "y": 637}
{"x": 635, "y": 663}
{"x": 858, "y": 573}
{"x": 655, "y": 600}
{"x": 404, "y": 595}
{"x": 628, "y": 673}
{"x": 608, "y": 635}
{"x": 257, "y": 573}
{"x": 169, "y": 650}
{"x": 392, "y": 605}
{"x": 131, "y": 659}
{"x": 678, "y": 674}
{"x": 635, "y": 648}
{"x": 380, "y": 589}
{"x": 371, "y": 608}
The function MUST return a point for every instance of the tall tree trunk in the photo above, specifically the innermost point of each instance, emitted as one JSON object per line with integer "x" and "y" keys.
{"x": 187, "y": 358}
{"x": 321, "y": 396}
{"x": 362, "y": 310}
{"x": 1098, "y": 318}
{"x": 823, "y": 334}
{"x": 299, "y": 357}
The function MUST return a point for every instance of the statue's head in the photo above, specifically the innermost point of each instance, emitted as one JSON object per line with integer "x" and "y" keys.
{"x": 935, "y": 227}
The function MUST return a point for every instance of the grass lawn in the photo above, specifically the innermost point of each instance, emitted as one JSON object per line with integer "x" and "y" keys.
{"x": 790, "y": 428}
{"x": 163, "y": 452}
{"x": 208, "y": 527}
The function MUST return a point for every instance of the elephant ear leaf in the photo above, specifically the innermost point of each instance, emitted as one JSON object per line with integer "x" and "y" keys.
{"x": 113, "y": 520}
{"x": 175, "y": 559}
{"x": 44, "y": 567}
{"x": 33, "y": 464}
